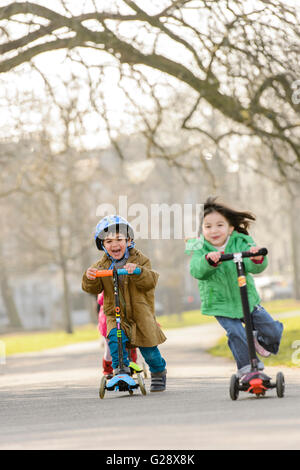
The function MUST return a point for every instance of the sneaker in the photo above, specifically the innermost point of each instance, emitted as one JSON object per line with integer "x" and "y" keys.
{"x": 258, "y": 347}
{"x": 243, "y": 371}
{"x": 158, "y": 381}
{"x": 247, "y": 369}
{"x": 107, "y": 368}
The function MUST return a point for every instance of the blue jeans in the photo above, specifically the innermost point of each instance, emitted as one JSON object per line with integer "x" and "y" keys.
{"x": 151, "y": 355}
{"x": 269, "y": 334}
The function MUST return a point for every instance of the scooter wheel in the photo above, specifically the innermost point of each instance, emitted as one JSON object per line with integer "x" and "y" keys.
{"x": 280, "y": 385}
{"x": 234, "y": 387}
{"x": 141, "y": 384}
{"x": 145, "y": 370}
{"x": 102, "y": 387}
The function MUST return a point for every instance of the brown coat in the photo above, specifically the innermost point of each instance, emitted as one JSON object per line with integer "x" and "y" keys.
{"x": 139, "y": 321}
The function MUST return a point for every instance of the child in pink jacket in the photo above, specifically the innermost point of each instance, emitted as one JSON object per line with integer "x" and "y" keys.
{"x": 102, "y": 328}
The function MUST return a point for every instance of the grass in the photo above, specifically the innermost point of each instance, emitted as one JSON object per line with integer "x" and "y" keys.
{"x": 281, "y": 306}
{"x": 39, "y": 341}
{"x": 33, "y": 342}
{"x": 190, "y": 318}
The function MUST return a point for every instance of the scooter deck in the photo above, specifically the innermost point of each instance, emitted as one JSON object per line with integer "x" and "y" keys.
{"x": 256, "y": 382}
{"x": 121, "y": 382}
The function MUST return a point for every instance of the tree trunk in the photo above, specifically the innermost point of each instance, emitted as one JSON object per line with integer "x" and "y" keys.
{"x": 67, "y": 316}
{"x": 295, "y": 240}
{"x": 67, "y": 319}
{"x": 9, "y": 302}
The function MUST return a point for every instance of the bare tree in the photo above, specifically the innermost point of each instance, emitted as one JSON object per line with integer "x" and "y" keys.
{"x": 239, "y": 58}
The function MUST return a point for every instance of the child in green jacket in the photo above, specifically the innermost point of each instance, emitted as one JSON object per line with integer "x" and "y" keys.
{"x": 226, "y": 230}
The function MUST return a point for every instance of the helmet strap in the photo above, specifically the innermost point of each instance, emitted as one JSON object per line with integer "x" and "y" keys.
{"x": 126, "y": 254}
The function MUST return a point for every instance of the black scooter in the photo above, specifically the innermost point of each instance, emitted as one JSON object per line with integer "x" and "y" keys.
{"x": 255, "y": 382}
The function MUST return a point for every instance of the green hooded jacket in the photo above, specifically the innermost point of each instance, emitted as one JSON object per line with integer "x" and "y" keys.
{"x": 218, "y": 286}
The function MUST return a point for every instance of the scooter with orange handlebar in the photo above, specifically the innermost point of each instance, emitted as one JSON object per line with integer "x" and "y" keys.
{"x": 123, "y": 382}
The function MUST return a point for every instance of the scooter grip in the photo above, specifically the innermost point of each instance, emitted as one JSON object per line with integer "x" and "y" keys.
{"x": 124, "y": 271}
{"x": 104, "y": 273}
{"x": 211, "y": 262}
{"x": 262, "y": 252}
{"x": 226, "y": 257}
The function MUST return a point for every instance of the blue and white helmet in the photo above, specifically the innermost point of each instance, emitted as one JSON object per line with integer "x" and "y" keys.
{"x": 112, "y": 223}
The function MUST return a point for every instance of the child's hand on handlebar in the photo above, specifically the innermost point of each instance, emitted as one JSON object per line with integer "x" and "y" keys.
{"x": 130, "y": 267}
{"x": 214, "y": 256}
{"x": 91, "y": 273}
{"x": 255, "y": 249}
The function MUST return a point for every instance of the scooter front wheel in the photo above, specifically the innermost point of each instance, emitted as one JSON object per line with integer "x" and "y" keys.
{"x": 102, "y": 387}
{"x": 280, "y": 385}
{"x": 141, "y": 384}
{"x": 234, "y": 387}
{"x": 145, "y": 370}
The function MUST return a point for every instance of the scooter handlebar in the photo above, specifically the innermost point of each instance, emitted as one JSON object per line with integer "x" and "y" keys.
{"x": 120, "y": 272}
{"x": 245, "y": 254}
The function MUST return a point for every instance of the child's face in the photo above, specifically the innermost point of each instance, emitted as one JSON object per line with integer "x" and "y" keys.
{"x": 216, "y": 228}
{"x": 115, "y": 244}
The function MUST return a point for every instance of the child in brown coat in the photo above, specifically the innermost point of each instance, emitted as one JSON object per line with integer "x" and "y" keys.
{"x": 114, "y": 235}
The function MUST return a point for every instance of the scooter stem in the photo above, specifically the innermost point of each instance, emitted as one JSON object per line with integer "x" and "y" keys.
{"x": 118, "y": 319}
{"x": 246, "y": 310}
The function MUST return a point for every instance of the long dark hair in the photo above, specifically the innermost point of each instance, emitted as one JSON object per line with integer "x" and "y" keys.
{"x": 240, "y": 220}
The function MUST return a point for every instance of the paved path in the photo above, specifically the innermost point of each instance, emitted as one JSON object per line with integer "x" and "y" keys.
{"x": 50, "y": 401}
